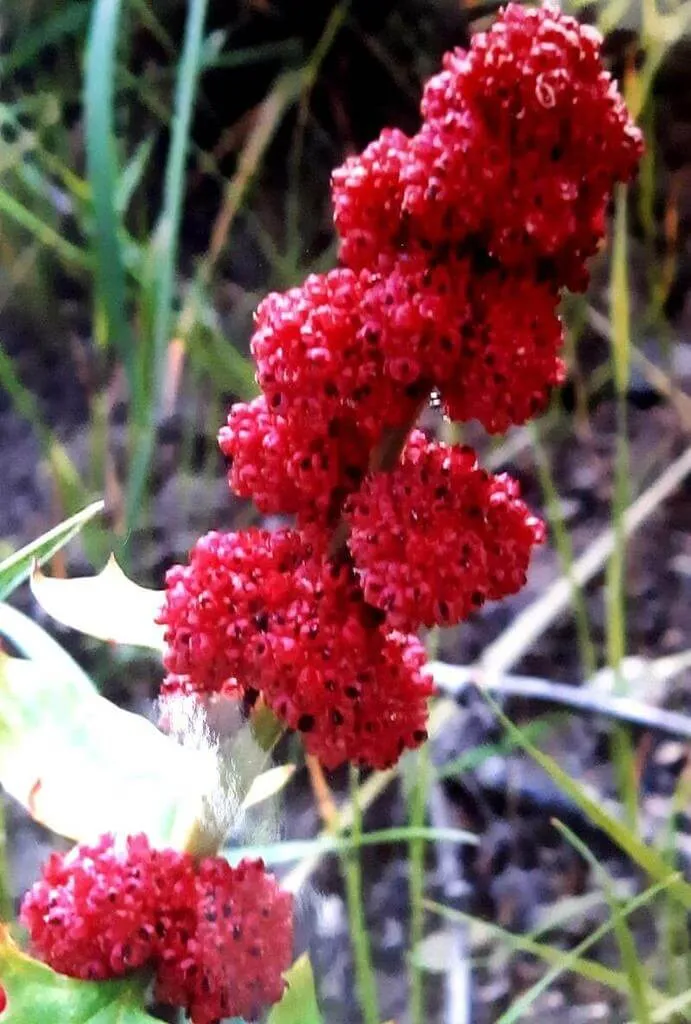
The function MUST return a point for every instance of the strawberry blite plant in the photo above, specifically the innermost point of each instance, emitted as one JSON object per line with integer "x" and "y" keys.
{"x": 456, "y": 245}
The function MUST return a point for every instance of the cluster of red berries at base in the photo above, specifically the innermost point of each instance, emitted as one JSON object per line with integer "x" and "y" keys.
{"x": 218, "y": 938}
{"x": 455, "y": 246}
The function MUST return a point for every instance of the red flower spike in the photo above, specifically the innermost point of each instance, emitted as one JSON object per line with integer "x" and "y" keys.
{"x": 231, "y": 963}
{"x": 435, "y": 538}
{"x": 93, "y": 913}
{"x": 510, "y": 357}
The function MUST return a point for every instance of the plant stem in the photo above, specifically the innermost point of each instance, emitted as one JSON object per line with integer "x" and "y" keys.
{"x": 352, "y": 875}
{"x": 5, "y": 884}
{"x": 417, "y": 847}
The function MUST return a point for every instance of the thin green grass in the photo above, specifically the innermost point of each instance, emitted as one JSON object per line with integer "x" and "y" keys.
{"x": 623, "y": 753}
{"x": 636, "y": 980}
{"x": 362, "y": 953}
{"x": 111, "y": 319}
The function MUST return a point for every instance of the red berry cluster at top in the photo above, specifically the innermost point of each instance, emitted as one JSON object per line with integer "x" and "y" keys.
{"x": 218, "y": 938}
{"x": 455, "y": 247}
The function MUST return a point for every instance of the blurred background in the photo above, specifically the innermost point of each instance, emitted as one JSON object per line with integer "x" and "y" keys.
{"x": 162, "y": 166}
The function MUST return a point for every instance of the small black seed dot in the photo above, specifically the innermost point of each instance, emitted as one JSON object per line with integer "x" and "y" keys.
{"x": 306, "y": 723}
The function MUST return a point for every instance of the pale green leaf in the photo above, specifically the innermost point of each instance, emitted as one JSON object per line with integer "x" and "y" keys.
{"x": 82, "y": 766}
{"x": 266, "y": 785}
{"x": 108, "y": 606}
{"x": 299, "y": 1003}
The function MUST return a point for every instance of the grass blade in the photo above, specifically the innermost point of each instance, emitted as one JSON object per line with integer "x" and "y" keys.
{"x": 647, "y": 858}
{"x": 65, "y": 22}
{"x": 164, "y": 254}
{"x": 625, "y": 940}
{"x": 102, "y": 166}
{"x": 561, "y": 961}
{"x": 17, "y": 568}
{"x": 352, "y": 873}
{"x": 70, "y": 486}
{"x": 70, "y": 254}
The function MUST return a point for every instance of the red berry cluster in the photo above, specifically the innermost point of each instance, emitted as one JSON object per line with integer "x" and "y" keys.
{"x": 218, "y": 938}
{"x": 455, "y": 244}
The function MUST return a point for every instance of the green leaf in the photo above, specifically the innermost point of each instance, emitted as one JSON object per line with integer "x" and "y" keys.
{"x": 15, "y": 569}
{"x": 267, "y": 784}
{"x": 299, "y": 1004}
{"x": 82, "y": 766}
{"x": 108, "y": 606}
{"x": 37, "y": 995}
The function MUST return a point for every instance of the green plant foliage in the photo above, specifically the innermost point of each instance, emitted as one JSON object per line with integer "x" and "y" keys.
{"x": 37, "y": 995}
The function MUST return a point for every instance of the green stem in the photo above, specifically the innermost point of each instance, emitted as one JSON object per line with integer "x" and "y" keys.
{"x": 417, "y": 847}
{"x": 352, "y": 874}
{"x": 5, "y": 885}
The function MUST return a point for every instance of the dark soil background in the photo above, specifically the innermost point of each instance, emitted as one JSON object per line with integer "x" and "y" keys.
{"x": 522, "y": 871}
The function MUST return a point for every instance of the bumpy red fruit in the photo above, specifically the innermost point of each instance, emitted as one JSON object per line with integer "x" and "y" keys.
{"x": 293, "y": 464}
{"x": 258, "y": 444}
{"x": 436, "y": 537}
{"x": 310, "y": 360}
{"x": 355, "y": 691}
{"x": 416, "y": 310}
{"x": 219, "y": 606}
{"x": 367, "y": 195}
{"x": 93, "y": 913}
{"x": 510, "y": 358}
{"x": 557, "y": 131}
{"x": 231, "y": 962}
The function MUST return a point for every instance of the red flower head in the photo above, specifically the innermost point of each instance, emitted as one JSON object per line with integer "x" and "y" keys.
{"x": 219, "y": 607}
{"x": 218, "y": 938}
{"x": 510, "y": 357}
{"x": 355, "y": 691}
{"x": 95, "y": 910}
{"x": 260, "y": 611}
{"x": 557, "y": 136}
{"x": 367, "y": 194}
{"x": 229, "y": 960}
{"x": 417, "y": 310}
{"x": 438, "y": 536}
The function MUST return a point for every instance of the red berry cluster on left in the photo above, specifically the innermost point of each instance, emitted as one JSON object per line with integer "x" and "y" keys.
{"x": 263, "y": 610}
{"x": 218, "y": 938}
